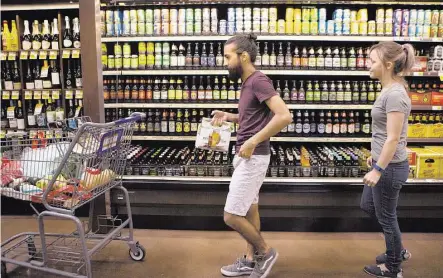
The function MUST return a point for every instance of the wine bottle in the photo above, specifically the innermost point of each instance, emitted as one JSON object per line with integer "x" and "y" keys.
{"x": 30, "y": 114}
{"x": 27, "y": 38}
{"x": 76, "y": 33}
{"x": 17, "y": 82}
{"x": 47, "y": 84}
{"x": 20, "y": 116}
{"x": 219, "y": 60}
{"x": 38, "y": 81}
{"x": 50, "y": 112}
{"x": 29, "y": 80}
{"x": 14, "y": 37}
{"x": 78, "y": 75}
{"x": 36, "y": 37}
{"x": 55, "y": 34}
{"x": 46, "y": 41}
{"x": 67, "y": 36}
{"x": 12, "y": 118}
{"x": 6, "y": 37}
{"x": 55, "y": 75}
{"x": 9, "y": 84}
{"x": 68, "y": 79}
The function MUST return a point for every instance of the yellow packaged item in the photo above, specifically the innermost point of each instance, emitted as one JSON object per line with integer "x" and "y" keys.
{"x": 429, "y": 163}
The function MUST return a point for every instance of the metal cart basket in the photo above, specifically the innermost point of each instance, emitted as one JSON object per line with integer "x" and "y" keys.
{"x": 81, "y": 162}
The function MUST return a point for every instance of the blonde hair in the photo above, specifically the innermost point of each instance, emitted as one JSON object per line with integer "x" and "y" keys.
{"x": 402, "y": 57}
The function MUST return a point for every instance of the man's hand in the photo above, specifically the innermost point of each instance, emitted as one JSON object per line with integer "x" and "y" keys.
{"x": 247, "y": 149}
{"x": 218, "y": 117}
{"x": 369, "y": 161}
{"x": 371, "y": 179}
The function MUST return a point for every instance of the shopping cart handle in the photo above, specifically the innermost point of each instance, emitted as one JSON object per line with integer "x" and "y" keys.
{"x": 16, "y": 133}
{"x": 136, "y": 116}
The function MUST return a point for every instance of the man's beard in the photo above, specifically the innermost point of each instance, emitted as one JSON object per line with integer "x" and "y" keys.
{"x": 235, "y": 73}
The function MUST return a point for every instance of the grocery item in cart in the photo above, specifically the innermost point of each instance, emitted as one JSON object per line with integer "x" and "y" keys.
{"x": 211, "y": 137}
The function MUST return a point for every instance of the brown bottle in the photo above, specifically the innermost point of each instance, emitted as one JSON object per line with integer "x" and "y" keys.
{"x": 106, "y": 95}
{"x": 134, "y": 91}
{"x": 149, "y": 91}
{"x": 142, "y": 90}
{"x": 127, "y": 92}
{"x": 112, "y": 92}
{"x": 120, "y": 93}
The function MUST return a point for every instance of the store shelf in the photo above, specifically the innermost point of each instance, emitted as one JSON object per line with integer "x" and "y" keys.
{"x": 426, "y": 74}
{"x": 46, "y": 6}
{"x": 276, "y": 37}
{"x": 273, "y": 139}
{"x": 269, "y": 180}
{"x": 231, "y": 106}
{"x": 225, "y": 72}
{"x": 427, "y": 108}
{"x": 424, "y": 140}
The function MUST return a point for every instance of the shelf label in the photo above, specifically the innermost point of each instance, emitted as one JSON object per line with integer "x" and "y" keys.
{"x": 441, "y": 75}
{"x": 28, "y": 95}
{"x": 4, "y": 56}
{"x": 79, "y": 94}
{"x": 415, "y": 39}
{"x": 10, "y": 112}
{"x": 418, "y": 74}
{"x": 45, "y": 94}
{"x": 33, "y": 55}
{"x": 24, "y": 55}
{"x": 55, "y": 94}
{"x": 66, "y": 54}
{"x": 75, "y": 54}
{"x": 38, "y": 109}
{"x": 437, "y": 108}
{"x": 52, "y": 55}
{"x": 69, "y": 94}
{"x": 6, "y": 95}
{"x": 2, "y": 134}
{"x": 37, "y": 95}
{"x": 15, "y": 95}
{"x": 44, "y": 72}
{"x": 12, "y": 56}
{"x": 437, "y": 39}
{"x": 42, "y": 55}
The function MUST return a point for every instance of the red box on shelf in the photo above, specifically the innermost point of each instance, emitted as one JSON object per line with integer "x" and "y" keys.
{"x": 436, "y": 98}
{"x": 420, "y": 98}
{"x": 412, "y": 157}
{"x": 421, "y": 64}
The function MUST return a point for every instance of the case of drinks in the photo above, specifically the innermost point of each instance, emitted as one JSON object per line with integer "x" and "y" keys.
{"x": 210, "y": 137}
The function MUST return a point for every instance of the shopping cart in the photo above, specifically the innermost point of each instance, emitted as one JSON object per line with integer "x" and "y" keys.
{"x": 81, "y": 162}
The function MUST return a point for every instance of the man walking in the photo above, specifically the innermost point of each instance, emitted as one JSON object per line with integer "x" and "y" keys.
{"x": 262, "y": 114}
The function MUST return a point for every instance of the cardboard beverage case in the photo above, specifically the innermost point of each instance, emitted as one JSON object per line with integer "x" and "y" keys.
{"x": 216, "y": 138}
{"x": 429, "y": 163}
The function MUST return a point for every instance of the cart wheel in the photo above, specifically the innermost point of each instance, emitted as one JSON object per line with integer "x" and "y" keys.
{"x": 4, "y": 274}
{"x": 140, "y": 255}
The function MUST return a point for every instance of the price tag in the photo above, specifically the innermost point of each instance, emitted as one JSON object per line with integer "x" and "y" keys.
{"x": 45, "y": 94}
{"x": 437, "y": 39}
{"x": 55, "y": 94}
{"x": 38, "y": 109}
{"x": 66, "y": 54}
{"x": 437, "y": 108}
{"x": 37, "y": 95}
{"x": 418, "y": 73}
{"x": 69, "y": 94}
{"x": 33, "y": 55}
{"x": 11, "y": 112}
{"x": 79, "y": 94}
{"x": 44, "y": 72}
{"x": 75, "y": 54}
{"x": 42, "y": 55}
{"x": 4, "y": 56}
{"x": 2, "y": 134}
{"x": 15, "y": 95}
{"x": 52, "y": 55}
{"x": 24, "y": 55}
{"x": 12, "y": 56}
{"x": 28, "y": 95}
{"x": 6, "y": 95}
{"x": 415, "y": 39}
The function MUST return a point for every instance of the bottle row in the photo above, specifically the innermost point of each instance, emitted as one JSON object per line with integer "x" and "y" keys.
{"x": 306, "y": 21}
{"x": 293, "y": 161}
{"x": 47, "y": 38}
{"x": 187, "y": 121}
{"x": 38, "y": 113}
{"x": 160, "y": 89}
{"x": 41, "y": 74}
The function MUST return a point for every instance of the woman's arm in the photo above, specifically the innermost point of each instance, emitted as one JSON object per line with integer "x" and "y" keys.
{"x": 394, "y": 127}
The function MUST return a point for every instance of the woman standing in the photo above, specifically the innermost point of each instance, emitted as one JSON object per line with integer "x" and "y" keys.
{"x": 389, "y": 159}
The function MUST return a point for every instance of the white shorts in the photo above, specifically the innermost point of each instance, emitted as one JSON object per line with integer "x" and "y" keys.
{"x": 246, "y": 182}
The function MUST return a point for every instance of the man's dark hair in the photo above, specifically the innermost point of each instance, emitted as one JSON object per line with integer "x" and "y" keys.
{"x": 245, "y": 43}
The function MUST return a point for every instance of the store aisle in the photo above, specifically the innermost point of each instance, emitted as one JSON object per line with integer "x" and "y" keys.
{"x": 197, "y": 254}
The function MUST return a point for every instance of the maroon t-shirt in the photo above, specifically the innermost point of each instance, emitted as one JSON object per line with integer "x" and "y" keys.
{"x": 253, "y": 112}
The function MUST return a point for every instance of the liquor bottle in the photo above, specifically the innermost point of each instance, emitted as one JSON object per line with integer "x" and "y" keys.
{"x": 186, "y": 90}
{"x": 194, "y": 122}
{"x": 113, "y": 92}
{"x": 288, "y": 57}
{"x": 320, "y": 59}
{"x": 286, "y": 93}
{"x": 378, "y": 89}
{"x": 201, "y": 90}
{"x": 134, "y": 91}
{"x": 106, "y": 92}
{"x": 55, "y": 75}
{"x": 278, "y": 89}
{"x": 156, "y": 94}
{"x": 291, "y": 126}
{"x": 171, "y": 90}
{"x": 265, "y": 60}
{"x": 8, "y": 83}
{"x": 40, "y": 112}
{"x": 258, "y": 58}
{"x": 126, "y": 96}
{"x": 208, "y": 91}
{"x": 312, "y": 61}
{"x": 194, "y": 91}
{"x": 47, "y": 83}
{"x": 347, "y": 93}
{"x": 313, "y": 124}
{"x": 174, "y": 57}
{"x": 67, "y": 36}
{"x": 17, "y": 83}
{"x": 164, "y": 123}
{"x": 55, "y": 34}
{"x": 12, "y": 118}
{"x": 357, "y": 123}
{"x": 317, "y": 92}
{"x": 149, "y": 91}
{"x": 30, "y": 115}
{"x": 321, "y": 127}
{"x": 29, "y": 80}
{"x": 20, "y": 116}
{"x": 355, "y": 93}
{"x": 324, "y": 92}
{"x": 216, "y": 91}
{"x": 296, "y": 60}
{"x": 50, "y": 111}
{"x": 273, "y": 57}
{"x": 189, "y": 58}
{"x": 27, "y": 38}
{"x": 329, "y": 60}
{"x": 196, "y": 57}
{"x": 352, "y": 59}
{"x": 219, "y": 60}
{"x": 4, "y": 117}
{"x": 343, "y": 59}
{"x": 298, "y": 124}
{"x": 164, "y": 90}
{"x": 69, "y": 77}
{"x": 351, "y": 124}
{"x": 157, "y": 122}
{"x": 336, "y": 124}
{"x": 304, "y": 59}
{"x": 224, "y": 91}
{"x": 366, "y": 128}
{"x": 179, "y": 122}
{"x": 371, "y": 92}
{"x": 231, "y": 92}
{"x": 336, "y": 59}
{"x": 186, "y": 123}
{"x": 166, "y": 58}
{"x": 36, "y": 37}
{"x": 211, "y": 56}
{"x": 309, "y": 93}
{"x": 179, "y": 90}
{"x": 204, "y": 58}
{"x": 76, "y": 33}
{"x": 360, "y": 59}
{"x": 340, "y": 92}
{"x": 343, "y": 124}
{"x": 301, "y": 93}
{"x": 280, "y": 56}
{"x": 182, "y": 61}
{"x": 294, "y": 93}
{"x": 46, "y": 41}
{"x": 6, "y": 37}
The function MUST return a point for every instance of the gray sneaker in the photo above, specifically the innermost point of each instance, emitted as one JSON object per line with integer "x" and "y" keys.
{"x": 382, "y": 258}
{"x": 241, "y": 267}
{"x": 264, "y": 264}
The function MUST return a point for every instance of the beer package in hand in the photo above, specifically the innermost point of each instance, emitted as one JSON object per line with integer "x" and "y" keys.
{"x": 216, "y": 138}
